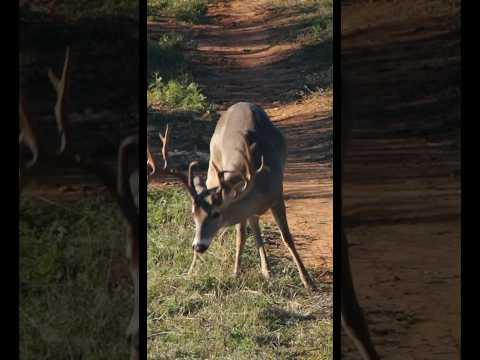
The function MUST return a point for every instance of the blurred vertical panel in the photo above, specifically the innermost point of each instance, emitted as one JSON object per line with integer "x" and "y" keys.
{"x": 401, "y": 188}
{"x": 76, "y": 288}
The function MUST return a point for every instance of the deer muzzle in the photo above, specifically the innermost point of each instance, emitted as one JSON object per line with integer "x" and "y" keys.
{"x": 200, "y": 248}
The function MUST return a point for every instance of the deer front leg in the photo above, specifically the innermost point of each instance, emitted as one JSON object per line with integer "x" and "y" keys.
{"x": 240, "y": 242}
{"x": 280, "y": 216}
{"x": 192, "y": 265}
{"x": 352, "y": 317}
{"x": 253, "y": 222}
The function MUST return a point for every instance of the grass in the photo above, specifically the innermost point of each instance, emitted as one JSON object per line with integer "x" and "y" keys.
{"x": 171, "y": 86}
{"x": 315, "y": 15}
{"x": 75, "y": 287}
{"x": 178, "y": 95}
{"x": 191, "y": 11}
{"x": 313, "y": 21}
{"x": 212, "y": 315}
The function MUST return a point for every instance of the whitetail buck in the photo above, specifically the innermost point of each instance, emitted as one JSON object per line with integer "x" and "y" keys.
{"x": 353, "y": 320}
{"x": 122, "y": 182}
{"x": 245, "y": 179}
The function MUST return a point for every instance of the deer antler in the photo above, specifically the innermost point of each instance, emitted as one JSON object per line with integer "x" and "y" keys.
{"x": 187, "y": 181}
{"x": 220, "y": 175}
{"x": 248, "y": 162}
{"x": 27, "y": 135}
{"x": 61, "y": 87}
{"x": 150, "y": 159}
{"x": 165, "y": 142}
{"x": 248, "y": 177}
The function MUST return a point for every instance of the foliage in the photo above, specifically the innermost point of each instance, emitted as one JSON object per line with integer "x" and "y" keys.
{"x": 192, "y": 11}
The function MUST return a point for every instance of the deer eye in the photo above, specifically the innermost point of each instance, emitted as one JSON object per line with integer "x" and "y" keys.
{"x": 215, "y": 215}
{"x": 216, "y": 199}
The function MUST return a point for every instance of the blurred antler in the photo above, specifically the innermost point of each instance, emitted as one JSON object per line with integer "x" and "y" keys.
{"x": 150, "y": 160}
{"x": 61, "y": 87}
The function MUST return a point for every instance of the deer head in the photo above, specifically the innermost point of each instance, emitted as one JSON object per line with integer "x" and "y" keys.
{"x": 212, "y": 207}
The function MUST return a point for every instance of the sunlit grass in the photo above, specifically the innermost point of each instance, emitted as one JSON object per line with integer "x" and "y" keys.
{"x": 210, "y": 314}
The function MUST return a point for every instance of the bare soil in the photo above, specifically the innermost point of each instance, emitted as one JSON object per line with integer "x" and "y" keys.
{"x": 402, "y": 196}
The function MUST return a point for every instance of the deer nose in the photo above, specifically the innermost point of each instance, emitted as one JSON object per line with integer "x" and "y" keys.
{"x": 200, "y": 248}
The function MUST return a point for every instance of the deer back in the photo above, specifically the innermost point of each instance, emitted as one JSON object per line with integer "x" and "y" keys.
{"x": 248, "y": 121}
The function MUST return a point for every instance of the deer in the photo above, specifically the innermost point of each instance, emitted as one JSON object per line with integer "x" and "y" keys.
{"x": 352, "y": 318}
{"x": 122, "y": 182}
{"x": 244, "y": 180}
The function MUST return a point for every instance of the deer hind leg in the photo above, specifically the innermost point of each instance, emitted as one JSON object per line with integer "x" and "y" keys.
{"x": 279, "y": 213}
{"x": 353, "y": 320}
{"x": 253, "y": 222}
{"x": 240, "y": 242}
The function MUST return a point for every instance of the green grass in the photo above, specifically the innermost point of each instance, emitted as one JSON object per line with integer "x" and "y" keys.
{"x": 171, "y": 86}
{"x": 176, "y": 95}
{"x": 191, "y": 11}
{"x": 314, "y": 18}
{"x": 75, "y": 288}
{"x": 212, "y": 315}
{"x": 303, "y": 4}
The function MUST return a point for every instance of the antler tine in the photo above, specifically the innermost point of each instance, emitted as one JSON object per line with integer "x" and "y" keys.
{"x": 165, "y": 140}
{"x": 190, "y": 173}
{"x": 249, "y": 166}
{"x": 61, "y": 88}
{"x": 186, "y": 180}
{"x": 150, "y": 159}
{"x": 219, "y": 174}
{"x": 27, "y": 135}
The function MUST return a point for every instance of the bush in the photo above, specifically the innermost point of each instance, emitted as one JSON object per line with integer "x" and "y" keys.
{"x": 183, "y": 10}
{"x": 179, "y": 94}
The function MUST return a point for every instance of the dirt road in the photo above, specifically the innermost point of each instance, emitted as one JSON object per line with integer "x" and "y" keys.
{"x": 403, "y": 191}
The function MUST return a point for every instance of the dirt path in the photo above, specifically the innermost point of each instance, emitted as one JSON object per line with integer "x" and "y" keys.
{"x": 402, "y": 198}
{"x": 242, "y": 55}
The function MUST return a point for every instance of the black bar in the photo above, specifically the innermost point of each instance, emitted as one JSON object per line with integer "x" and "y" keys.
{"x": 337, "y": 181}
{"x": 142, "y": 108}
